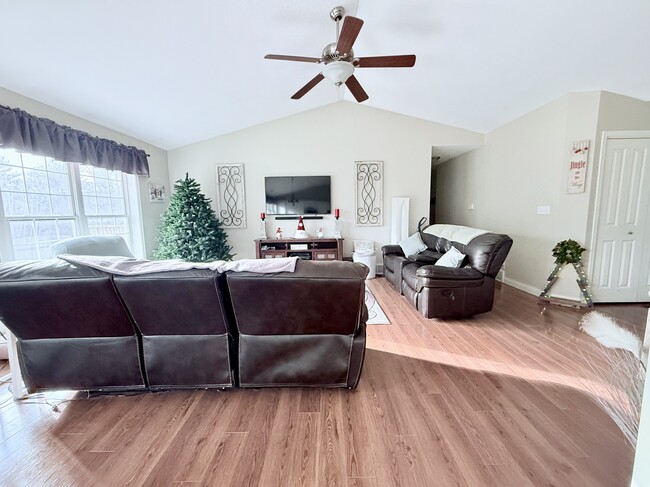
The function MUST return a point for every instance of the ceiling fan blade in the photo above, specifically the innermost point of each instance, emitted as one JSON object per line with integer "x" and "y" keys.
{"x": 349, "y": 33}
{"x": 301, "y": 92}
{"x": 404, "y": 61}
{"x": 302, "y": 59}
{"x": 355, "y": 88}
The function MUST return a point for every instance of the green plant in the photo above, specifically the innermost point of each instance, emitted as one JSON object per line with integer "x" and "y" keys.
{"x": 568, "y": 252}
{"x": 189, "y": 228}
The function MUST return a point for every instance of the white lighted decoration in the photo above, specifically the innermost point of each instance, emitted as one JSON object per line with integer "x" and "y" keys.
{"x": 578, "y": 167}
{"x": 369, "y": 209}
{"x": 232, "y": 199}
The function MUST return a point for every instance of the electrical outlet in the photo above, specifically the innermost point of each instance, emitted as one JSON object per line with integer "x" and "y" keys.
{"x": 544, "y": 210}
{"x": 470, "y": 206}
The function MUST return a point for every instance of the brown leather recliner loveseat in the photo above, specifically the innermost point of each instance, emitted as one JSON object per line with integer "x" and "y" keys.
{"x": 447, "y": 292}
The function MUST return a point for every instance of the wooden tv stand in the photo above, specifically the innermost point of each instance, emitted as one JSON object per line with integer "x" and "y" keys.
{"x": 316, "y": 248}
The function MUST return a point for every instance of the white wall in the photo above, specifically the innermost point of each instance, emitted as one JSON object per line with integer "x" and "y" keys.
{"x": 324, "y": 141}
{"x": 524, "y": 165}
{"x": 157, "y": 161}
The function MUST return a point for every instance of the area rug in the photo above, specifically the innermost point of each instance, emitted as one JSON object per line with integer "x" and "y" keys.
{"x": 376, "y": 315}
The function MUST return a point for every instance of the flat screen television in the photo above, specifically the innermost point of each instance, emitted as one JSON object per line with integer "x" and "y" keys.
{"x": 298, "y": 195}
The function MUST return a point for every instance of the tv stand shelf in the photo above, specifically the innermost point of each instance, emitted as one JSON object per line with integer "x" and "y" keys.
{"x": 305, "y": 248}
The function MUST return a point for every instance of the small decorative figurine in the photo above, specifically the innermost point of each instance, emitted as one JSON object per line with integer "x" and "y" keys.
{"x": 278, "y": 233}
{"x": 320, "y": 232}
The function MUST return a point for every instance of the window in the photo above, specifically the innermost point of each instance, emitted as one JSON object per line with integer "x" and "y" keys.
{"x": 44, "y": 200}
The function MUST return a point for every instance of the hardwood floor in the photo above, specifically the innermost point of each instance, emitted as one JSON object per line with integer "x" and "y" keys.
{"x": 496, "y": 400}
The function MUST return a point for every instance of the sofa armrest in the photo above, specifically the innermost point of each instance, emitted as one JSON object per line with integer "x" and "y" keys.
{"x": 392, "y": 249}
{"x": 448, "y": 273}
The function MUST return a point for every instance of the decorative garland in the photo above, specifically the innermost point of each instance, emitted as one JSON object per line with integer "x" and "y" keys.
{"x": 568, "y": 252}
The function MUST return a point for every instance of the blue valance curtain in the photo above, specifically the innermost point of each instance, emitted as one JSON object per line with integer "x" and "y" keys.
{"x": 26, "y": 133}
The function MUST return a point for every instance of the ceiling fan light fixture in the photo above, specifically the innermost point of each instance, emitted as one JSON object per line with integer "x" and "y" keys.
{"x": 338, "y": 71}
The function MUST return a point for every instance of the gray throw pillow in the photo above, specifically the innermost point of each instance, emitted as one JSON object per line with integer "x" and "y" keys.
{"x": 99, "y": 245}
{"x": 412, "y": 245}
{"x": 452, "y": 258}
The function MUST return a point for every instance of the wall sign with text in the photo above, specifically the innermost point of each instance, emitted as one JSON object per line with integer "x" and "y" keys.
{"x": 578, "y": 167}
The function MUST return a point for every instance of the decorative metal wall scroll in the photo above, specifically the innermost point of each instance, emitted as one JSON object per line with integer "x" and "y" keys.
{"x": 232, "y": 199}
{"x": 369, "y": 207}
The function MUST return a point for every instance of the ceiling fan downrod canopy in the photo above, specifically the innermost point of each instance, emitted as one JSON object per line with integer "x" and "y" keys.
{"x": 338, "y": 58}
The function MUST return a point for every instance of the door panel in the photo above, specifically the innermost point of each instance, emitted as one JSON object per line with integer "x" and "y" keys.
{"x": 622, "y": 254}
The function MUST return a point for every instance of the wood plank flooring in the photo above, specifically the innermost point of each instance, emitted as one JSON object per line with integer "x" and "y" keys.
{"x": 495, "y": 400}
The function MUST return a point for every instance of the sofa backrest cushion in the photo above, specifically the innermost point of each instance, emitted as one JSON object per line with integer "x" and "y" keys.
{"x": 176, "y": 303}
{"x": 55, "y": 299}
{"x": 318, "y": 298}
{"x": 485, "y": 253}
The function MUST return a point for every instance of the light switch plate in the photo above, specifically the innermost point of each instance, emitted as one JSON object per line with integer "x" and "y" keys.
{"x": 544, "y": 210}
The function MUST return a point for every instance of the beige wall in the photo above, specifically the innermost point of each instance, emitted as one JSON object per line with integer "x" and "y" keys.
{"x": 524, "y": 165}
{"x": 324, "y": 141}
{"x": 157, "y": 160}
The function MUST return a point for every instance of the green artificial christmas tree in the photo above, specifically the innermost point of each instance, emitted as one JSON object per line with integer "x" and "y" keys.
{"x": 189, "y": 228}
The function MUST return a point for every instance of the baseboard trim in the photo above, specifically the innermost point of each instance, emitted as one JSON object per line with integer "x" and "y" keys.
{"x": 522, "y": 287}
{"x": 535, "y": 291}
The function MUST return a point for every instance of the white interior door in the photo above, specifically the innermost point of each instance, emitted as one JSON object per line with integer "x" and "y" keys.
{"x": 621, "y": 260}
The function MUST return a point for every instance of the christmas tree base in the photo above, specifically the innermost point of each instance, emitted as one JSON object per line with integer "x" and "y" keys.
{"x": 300, "y": 234}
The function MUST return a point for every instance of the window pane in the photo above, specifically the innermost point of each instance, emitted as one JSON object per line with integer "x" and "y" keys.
{"x": 11, "y": 179}
{"x": 108, "y": 222}
{"x": 11, "y": 157}
{"x": 104, "y": 206}
{"x": 59, "y": 183}
{"x": 15, "y": 204}
{"x": 35, "y": 162}
{"x": 46, "y": 231}
{"x": 87, "y": 185}
{"x": 90, "y": 205}
{"x": 117, "y": 206}
{"x": 44, "y": 251}
{"x": 36, "y": 181}
{"x": 67, "y": 229}
{"x": 115, "y": 187}
{"x": 61, "y": 206}
{"x": 57, "y": 166}
{"x": 85, "y": 170}
{"x": 100, "y": 172}
{"x": 101, "y": 186}
{"x": 39, "y": 205}
{"x": 25, "y": 252}
{"x": 22, "y": 231}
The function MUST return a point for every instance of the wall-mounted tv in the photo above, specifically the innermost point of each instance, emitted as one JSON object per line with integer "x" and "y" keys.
{"x": 298, "y": 195}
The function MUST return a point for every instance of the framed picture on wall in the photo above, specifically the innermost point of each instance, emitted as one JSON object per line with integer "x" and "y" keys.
{"x": 156, "y": 193}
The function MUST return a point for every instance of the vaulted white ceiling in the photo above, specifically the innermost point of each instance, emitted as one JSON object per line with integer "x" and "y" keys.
{"x": 176, "y": 72}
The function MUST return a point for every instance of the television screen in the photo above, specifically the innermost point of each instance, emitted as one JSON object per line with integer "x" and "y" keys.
{"x": 297, "y": 195}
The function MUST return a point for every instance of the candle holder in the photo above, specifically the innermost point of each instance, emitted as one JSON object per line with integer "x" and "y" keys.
{"x": 337, "y": 227}
{"x": 263, "y": 227}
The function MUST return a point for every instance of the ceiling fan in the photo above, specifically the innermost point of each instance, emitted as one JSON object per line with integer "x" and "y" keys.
{"x": 339, "y": 61}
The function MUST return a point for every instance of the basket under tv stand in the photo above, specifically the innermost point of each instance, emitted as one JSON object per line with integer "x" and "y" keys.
{"x": 305, "y": 248}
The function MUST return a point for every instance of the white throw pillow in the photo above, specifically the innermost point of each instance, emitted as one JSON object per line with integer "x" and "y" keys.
{"x": 451, "y": 258}
{"x": 412, "y": 245}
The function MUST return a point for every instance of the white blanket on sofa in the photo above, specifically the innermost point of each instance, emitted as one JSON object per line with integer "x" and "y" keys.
{"x": 456, "y": 233}
{"x": 128, "y": 266}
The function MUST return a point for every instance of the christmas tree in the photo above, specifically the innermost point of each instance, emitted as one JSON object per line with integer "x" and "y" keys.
{"x": 189, "y": 228}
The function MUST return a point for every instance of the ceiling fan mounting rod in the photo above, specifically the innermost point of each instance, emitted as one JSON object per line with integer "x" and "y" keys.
{"x": 336, "y": 14}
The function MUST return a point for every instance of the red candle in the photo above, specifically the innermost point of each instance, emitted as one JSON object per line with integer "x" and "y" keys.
{"x": 263, "y": 215}
{"x": 336, "y": 212}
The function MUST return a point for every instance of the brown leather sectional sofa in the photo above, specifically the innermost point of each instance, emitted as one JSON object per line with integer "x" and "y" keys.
{"x": 83, "y": 329}
{"x": 445, "y": 292}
